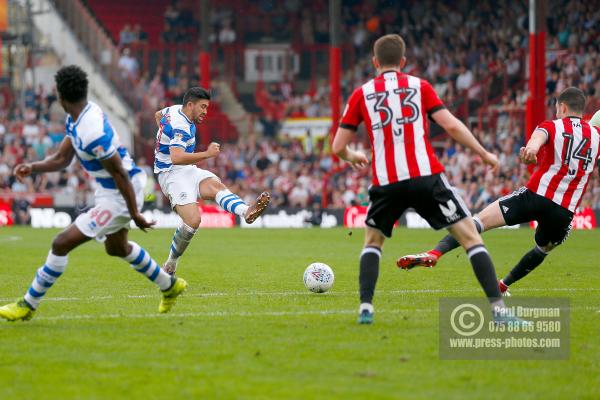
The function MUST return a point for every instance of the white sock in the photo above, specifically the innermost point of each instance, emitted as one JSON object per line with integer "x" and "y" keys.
{"x": 181, "y": 239}
{"x": 231, "y": 202}
{"x": 141, "y": 261}
{"x": 366, "y": 306}
{"x": 45, "y": 277}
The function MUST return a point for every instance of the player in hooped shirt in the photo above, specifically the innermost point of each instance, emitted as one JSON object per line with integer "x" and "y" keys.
{"x": 566, "y": 151}
{"x": 394, "y": 107}
{"x": 182, "y": 181}
{"x": 118, "y": 199}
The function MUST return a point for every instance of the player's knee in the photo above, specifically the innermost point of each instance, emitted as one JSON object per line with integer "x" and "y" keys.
{"x": 117, "y": 250}
{"x": 193, "y": 221}
{"x": 60, "y": 245}
{"x": 548, "y": 247}
{"x": 374, "y": 238}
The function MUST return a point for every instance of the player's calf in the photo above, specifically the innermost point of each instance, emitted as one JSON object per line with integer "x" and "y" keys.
{"x": 181, "y": 239}
{"x": 141, "y": 261}
{"x": 531, "y": 260}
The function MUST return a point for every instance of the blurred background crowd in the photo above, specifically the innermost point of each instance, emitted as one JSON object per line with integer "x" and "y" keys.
{"x": 474, "y": 53}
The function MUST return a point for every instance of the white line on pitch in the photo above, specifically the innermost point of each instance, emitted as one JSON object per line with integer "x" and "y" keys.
{"x": 209, "y": 314}
{"x": 306, "y": 293}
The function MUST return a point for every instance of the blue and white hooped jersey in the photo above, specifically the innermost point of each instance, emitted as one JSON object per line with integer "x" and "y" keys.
{"x": 175, "y": 130}
{"x": 94, "y": 139}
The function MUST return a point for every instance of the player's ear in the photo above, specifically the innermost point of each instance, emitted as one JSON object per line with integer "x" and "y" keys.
{"x": 375, "y": 62}
{"x": 402, "y": 62}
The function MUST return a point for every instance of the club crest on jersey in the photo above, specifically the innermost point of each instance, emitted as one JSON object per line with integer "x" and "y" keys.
{"x": 99, "y": 151}
{"x": 178, "y": 136}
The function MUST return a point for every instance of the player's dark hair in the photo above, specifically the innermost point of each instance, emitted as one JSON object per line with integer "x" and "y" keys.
{"x": 389, "y": 50}
{"x": 71, "y": 83}
{"x": 573, "y": 98}
{"x": 194, "y": 94}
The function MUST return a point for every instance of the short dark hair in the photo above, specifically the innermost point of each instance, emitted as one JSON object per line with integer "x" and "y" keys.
{"x": 389, "y": 49}
{"x": 194, "y": 94}
{"x": 573, "y": 98}
{"x": 71, "y": 83}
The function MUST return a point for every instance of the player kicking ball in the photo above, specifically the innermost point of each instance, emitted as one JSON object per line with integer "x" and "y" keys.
{"x": 182, "y": 182}
{"x": 565, "y": 151}
{"x": 394, "y": 107}
{"x": 90, "y": 137}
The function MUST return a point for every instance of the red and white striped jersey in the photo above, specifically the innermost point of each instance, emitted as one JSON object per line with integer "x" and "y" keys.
{"x": 565, "y": 161}
{"x": 394, "y": 107}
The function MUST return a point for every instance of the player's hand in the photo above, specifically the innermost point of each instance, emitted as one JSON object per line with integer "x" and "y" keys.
{"x": 213, "y": 149}
{"x": 358, "y": 160}
{"x": 22, "y": 171}
{"x": 141, "y": 222}
{"x": 490, "y": 159}
{"x": 528, "y": 155}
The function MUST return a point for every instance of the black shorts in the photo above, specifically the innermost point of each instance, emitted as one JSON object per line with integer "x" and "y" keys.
{"x": 523, "y": 206}
{"x": 432, "y": 197}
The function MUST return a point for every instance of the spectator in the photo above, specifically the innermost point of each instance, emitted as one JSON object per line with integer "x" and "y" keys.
{"x": 128, "y": 64}
{"x": 465, "y": 79}
{"x": 126, "y": 36}
{"x": 227, "y": 34}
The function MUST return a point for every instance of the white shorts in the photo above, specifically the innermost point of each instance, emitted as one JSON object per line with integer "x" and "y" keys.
{"x": 110, "y": 213}
{"x": 181, "y": 184}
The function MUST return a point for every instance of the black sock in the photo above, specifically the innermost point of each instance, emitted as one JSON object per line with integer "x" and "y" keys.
{"x": 484, "y": 271}
{"x": 449, "y": 243}
{"x": 526, "y": 264}
{"x": 369, "y": 271}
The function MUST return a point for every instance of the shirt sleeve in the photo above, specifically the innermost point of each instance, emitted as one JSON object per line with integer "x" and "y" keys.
{"x": 181, "y": 135}
{"x": 431, "y": 100}
{"x": 101, "y": 148}
{"x": 97, "y": 141}
{"x": 549, "y": 129}
{"x": 352, "y": 115}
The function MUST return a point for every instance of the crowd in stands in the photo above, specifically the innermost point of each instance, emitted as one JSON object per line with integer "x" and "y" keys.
{"x": 455, "y": 56}
{"x": 30, "y": 134}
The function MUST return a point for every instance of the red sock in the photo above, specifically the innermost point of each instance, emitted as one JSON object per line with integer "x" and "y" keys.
{"x": 435, "y": 253}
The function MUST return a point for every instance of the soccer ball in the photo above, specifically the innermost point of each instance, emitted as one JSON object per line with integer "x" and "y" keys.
{"x": 318, "y": 277}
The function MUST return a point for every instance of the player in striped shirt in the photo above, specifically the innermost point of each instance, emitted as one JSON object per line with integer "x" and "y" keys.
{"x": 565, "y": 151}
{"x": 118, "y": 199}
{"x": 182, "y": 182}
{"x": 394, "y": 107}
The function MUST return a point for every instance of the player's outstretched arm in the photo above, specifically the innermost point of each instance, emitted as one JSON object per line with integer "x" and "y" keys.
{"x": 340, "y": 147}
{"x": 180, "y": 157}
{"x": 158, "y": 116}
{"x": 528, "y": 154}
{"x": 54, "y": 162}
{"x": 459, "y": 132}
{"x": 114, "y": 166}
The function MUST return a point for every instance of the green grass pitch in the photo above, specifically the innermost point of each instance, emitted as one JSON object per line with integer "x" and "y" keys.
{"x": 247, "y": 328}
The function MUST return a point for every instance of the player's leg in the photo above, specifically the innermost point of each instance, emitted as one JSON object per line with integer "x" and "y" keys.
{"x": 554, "y": 226}
{"x": 117, "y": 245}
{"x": 190, "y": 222}
{"x": 369, "y": 272}
{"x": 386, "y": 205}
{"x": 213, "y": 189}
{"x": 508, "y": 210}
{"x": 465, "y": 233}
{"x": 46, "y": 275}
{"x": 489, "y": 218}
{"x": 181, "y": 187}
